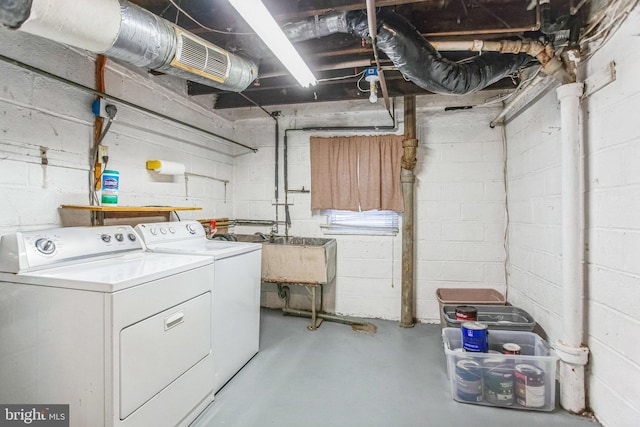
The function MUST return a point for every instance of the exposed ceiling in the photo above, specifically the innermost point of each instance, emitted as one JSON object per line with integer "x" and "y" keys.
{"x": 343, "y": 55}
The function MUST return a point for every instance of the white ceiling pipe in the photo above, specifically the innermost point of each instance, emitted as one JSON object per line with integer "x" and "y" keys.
{"x": 573, "y": 354}
{"x": 551, "y": 64}
{"x": 91, "y": 25}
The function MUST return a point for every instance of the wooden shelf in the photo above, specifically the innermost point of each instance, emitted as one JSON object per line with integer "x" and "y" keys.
{"x": 100, "y": 213}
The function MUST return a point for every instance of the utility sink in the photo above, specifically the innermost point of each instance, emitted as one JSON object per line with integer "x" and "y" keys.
{"x": 303, "y": 260}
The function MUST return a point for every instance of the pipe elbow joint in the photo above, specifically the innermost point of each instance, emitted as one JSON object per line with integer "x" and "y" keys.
{"x": 556, "y": 69}
{"x": 539, "y": 51}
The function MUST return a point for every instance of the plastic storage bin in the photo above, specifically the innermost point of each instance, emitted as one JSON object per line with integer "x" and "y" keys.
{"x": 525, "y": 381}
{"x": 495, "y": 317}
{"x": 457, "y": 296}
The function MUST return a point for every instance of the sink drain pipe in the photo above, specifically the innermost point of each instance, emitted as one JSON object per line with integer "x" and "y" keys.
{"x": 408, "y": 179}
{"x": 357, "y": 324}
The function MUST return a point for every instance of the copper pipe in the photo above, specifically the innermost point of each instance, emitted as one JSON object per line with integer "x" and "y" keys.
{"x": 535, "y": 27}
{"x": 551, "y": 64}
{"x": 356, "y": 63}
{"x": 101, "y": 62}
{"x": 98, "y": 122}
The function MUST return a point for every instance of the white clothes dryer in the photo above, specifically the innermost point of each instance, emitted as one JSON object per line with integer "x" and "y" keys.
{"x": 236, "y": 289}
{"x": 89, "y": 319}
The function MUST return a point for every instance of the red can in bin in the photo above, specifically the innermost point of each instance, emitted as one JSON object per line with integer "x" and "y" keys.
{"x": 466, "y": 313}
{"x": 511, "y": 348}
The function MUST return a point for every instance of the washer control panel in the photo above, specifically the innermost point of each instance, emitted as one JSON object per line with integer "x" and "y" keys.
{"x": 29, "y": 250}
{"x": 164, "y": 232}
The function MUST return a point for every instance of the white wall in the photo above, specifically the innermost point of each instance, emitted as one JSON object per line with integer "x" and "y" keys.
{"x": 612, "y": 198}
{"x": 535, "y": 213}
{"x": 36, "y": 112}
{"x": 460, "y": 205}
{"x": 368, "y": 277}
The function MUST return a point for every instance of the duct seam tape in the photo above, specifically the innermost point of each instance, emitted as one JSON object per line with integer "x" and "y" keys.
{"x": 164, "y": 167}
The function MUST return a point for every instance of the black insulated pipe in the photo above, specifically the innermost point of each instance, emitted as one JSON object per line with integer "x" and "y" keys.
{"x": 13, "y": 13}
{"x": 411, "y": 53}
{"x": 421, "y": 63}
{"x": 550, "y": 26}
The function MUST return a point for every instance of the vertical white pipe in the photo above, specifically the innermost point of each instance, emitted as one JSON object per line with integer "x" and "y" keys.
{"x": 573, "y": 355}
{"x": 572, "y": 215}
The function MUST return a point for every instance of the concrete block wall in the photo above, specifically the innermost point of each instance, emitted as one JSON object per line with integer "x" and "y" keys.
{"x": 460, "y": 206}
{"x": 534, "y": 194}
{"x": 612, "y": 223}
{"x": 460, "y": 209}
{"x": 40, "y": 113}
{"x": 368, "y": 280}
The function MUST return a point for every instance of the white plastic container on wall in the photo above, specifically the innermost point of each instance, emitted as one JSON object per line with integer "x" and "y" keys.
{"x": 517, "y": 381}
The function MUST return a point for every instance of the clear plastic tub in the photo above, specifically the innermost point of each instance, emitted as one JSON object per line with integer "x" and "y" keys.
{"x": 466, "y": 296}
{"x": 495, "y": 317}
{"x": 523, "y": 381}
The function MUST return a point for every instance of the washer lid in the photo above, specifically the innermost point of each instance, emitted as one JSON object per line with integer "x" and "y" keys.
{"x": 218, "y": 249}
{"x": 113, "y": 274}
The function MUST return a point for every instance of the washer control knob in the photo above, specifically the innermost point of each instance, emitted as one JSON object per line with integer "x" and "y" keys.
{"x": 45, "y": 246}
{"x": 132, "y": 237}
{"x": 105, "y": 238}
{"x": 172, "y": 230}
{"x": 119, "y": 237}
{"x": 154, "y": 231}
{"x": 191, "y": 229}
{"x": 163, "y": 231}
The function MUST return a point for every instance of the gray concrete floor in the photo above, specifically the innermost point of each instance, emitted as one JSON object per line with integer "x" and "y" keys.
{"x": 338, "y": 377}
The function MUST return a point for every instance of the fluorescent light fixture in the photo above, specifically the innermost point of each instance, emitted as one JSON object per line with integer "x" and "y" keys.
{"x": 259, "y": 18}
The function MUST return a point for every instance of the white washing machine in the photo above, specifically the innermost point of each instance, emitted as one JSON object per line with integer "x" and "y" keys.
{"x": 236, "y": 284}
{"x": 89, "y": 319}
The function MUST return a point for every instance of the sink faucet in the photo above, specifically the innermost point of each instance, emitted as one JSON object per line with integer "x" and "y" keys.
{"x": 262, "y": 235}
{"x": 212, "y": 229}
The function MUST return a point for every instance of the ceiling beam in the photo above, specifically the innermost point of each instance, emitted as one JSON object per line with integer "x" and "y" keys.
{"x": 321, "y": 7}
{"x": 337, "y": 92}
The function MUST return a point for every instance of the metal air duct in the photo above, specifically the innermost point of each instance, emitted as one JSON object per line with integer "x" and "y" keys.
{"x": 124, "y": 31}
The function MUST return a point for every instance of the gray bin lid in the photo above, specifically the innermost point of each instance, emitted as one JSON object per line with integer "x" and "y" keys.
{"x": 503, "y": 317}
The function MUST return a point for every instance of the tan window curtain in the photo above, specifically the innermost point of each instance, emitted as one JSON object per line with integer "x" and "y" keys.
{"x": 356, "y": 173}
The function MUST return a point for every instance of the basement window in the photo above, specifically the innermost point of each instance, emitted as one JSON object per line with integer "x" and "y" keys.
{"x": 374, "y": 222}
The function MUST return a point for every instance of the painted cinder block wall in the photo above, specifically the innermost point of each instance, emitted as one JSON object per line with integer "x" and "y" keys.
{"x": 368, "y": 278}
{"x": 612, "y": 203}
{"x": 460, "y": 202}
{"x": 458, "y": 244}
{"x": 39, "y": 112}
